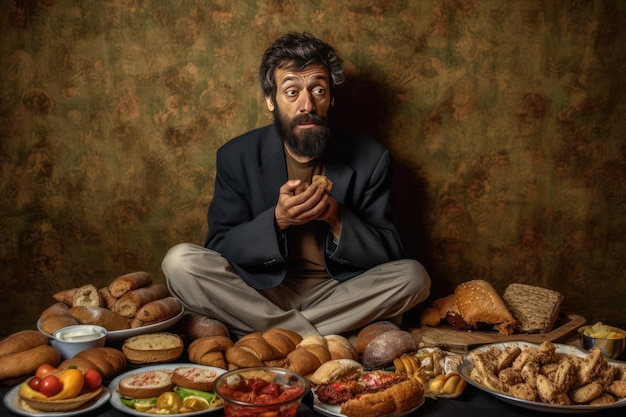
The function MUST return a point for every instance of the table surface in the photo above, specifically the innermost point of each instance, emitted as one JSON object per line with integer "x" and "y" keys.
{"x": 472, "y": 402}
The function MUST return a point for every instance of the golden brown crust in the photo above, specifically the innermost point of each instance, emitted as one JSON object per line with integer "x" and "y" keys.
{"x": 22, "y": 340}
{"x": 87, "y": 295}
{"x": 128, "y": 304}
{"x": 159, "y": 310}
{"x": 398, "y": 398}
{"x": 100, "y": 316}
{"x": 478, "y": 302}
{"x": 27, "y": 361}
{"x": 128, "y": 282}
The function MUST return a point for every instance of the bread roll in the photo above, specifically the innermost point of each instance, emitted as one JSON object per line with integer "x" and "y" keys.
{"x": 209, "y": 351}
{"x": 22, "y": 340}
{"x": 56, "y": 317}
{"x": 310, "y": 353}
{"x": 340, "y": 347}
{"x": 371, "y": 331}
{"x": 87, "y": 295}
{"x": 320, "y": 181}
{"x": 128, "y": 304}
{"x": 242, "y": 357}
{"x": 65, "y": 296}
{"x": 478, "y": 302}
{"x": 27, "y": 361}
{"x": 387, "y": 346}
{"x": 159, "y": 310}
{"x": 337, "y": 370}
{"x": 100, "y": 316}
{"x": 108, "y": 298}
{"x": 153, "y": 348}
{"x": 194, "y": 326}
{"x": 107, "y": 360}
{"x": 125, "y": 283}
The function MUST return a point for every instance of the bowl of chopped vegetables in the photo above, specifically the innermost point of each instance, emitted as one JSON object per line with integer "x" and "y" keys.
{"x": 249, "y": 392}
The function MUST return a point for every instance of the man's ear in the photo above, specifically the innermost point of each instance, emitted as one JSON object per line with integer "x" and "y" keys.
{"x": 269, "y": 103}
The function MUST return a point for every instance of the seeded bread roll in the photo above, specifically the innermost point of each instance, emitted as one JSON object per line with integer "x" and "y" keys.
{"x": 478, "y": 302}
{"x": 153, "y": 348}
{"x": 535, "y": 308}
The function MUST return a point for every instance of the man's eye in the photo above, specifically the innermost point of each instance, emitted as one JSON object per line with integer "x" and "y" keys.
{"x": 291, "y": 93}
{"x": 319, "y": 91}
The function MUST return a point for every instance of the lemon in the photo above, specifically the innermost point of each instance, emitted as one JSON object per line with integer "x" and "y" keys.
{"x": 195, "y": 403}
{"x": 143, "y": 406}
{"x": 169, "y": 401}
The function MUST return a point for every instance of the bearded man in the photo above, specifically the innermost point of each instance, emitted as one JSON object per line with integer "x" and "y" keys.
{"x": 326, "y": 260}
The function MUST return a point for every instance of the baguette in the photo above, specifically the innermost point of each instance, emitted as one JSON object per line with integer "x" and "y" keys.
{"x": 125, "y": 283}
{"x": 159, "y": 310}
{"x": 87, "y": 295}
{"x": 132, "y": 301}
{"x": 27, "y": 361}
{"x": 56, "y": 317}
{"x": 22, "y": 340}
{"x": 100, "y": 316}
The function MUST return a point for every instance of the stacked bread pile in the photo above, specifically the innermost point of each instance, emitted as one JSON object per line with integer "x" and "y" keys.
{"x": 476, "y": 305}
{"x": 129, "y": 301}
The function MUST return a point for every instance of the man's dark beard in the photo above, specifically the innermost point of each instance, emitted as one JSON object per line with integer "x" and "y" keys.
{"x": 311, "y": 143}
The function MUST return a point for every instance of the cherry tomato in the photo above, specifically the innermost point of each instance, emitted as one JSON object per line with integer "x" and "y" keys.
{"x": 44, "y": 369}
{"x": 93, "y": 378}
{"x": 34, "y": 383}
{"x": 50, "y": 385}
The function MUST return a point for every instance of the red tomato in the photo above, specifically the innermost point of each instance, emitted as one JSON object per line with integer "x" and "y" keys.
{"x": 50, "y": 385}
{"x": 93, "y": 378}
{"x": 44, "y": 369}
{"x": 34, "y": 383}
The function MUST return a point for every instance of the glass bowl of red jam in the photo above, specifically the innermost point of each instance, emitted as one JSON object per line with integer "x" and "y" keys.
{"x": 258, "y": 391}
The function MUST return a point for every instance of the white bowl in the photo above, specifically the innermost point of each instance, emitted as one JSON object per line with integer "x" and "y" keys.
{"x": 71, "y": 340}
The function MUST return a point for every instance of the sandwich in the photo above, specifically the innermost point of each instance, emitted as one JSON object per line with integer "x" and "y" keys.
{"x": 345, "y": 383}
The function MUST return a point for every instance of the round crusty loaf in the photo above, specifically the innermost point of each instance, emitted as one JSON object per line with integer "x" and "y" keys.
{"x": 194, "y": 377}
{"x": 370, "y": 332}
{"x": 193, "y": 326}
{"x": 145, "y": 384}
{"x": 106, "y": 360}
{"x": 381, "y": 351}
{"x": 153, "y": 348}
{"x": 209, "y": 351}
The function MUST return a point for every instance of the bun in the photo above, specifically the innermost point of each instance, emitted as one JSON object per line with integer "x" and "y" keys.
{"x": 369, "y": 332}
{"x": 535, "y": 308}
{"x": 18, "y": 364}
{"x": 106, "y": 360}
{"x": 310, "y": 353}
{"x": 479, "y": 302}
{"x": 194, "y": 377}
{"x": 340, "y": 347}
{"x": 56, "y": 317}
{"x": 381, "y": 351}
{"x": 153, "y": 348}
{"x": 130, "y": 303}
{"x": 210, "y": 351}
{"x": 128, "y": 282}
{"x": 145, "y": 384}
{"x": 336, "y": 370}
{"x": 87, "y": 295}
{"x": 100, "y": 316}
{"x": 270, "y": 348}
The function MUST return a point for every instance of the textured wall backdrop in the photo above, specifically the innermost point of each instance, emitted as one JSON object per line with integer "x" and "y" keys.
{"x": 506, "y": 120}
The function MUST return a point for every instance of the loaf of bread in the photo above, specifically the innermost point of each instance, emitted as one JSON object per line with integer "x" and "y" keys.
{"x": 100, "y": 316}
{"x": 210, "y": 351}
{"x": 107, "y": 360}
{"x": 478, "y": 302}
{"x": 18, "y": 364}
{"x": 129, "y": 304}
{"x": 56, "y": 317}
{"x": 153, "y": 348}
{"x": 128, "y": 282}
{"x": 384, "y": 348}
{"x": 194, "y": 326}
{"x": 159, "y": 310}
{"x": 536, "y": 309}
{"x": 21, "y": 341}
{"x": 370, "y": 332}
{"x": 87, "y": 295}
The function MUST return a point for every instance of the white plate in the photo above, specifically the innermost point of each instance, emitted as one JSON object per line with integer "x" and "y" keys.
{"x": 13, "y": 402}
{"x": 121, "y": 335}
{"x": 115, "y": 396}
{"x": 335, "y": 410}
{"x": 467, "y": 365}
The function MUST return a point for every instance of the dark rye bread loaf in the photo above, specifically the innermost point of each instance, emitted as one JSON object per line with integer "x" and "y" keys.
{"x": 535, "y": 308}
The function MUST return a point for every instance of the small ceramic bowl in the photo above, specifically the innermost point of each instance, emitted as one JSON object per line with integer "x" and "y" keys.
{"x": 611, "y": 347}
{"x": 234, "y": 389}
{"x": 71, "y": 340}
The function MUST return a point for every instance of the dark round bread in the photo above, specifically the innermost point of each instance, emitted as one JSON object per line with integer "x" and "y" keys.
{"x": 370, "y": 332}
{"x": 381, "y": 351}
{"x": 193, "y": 326}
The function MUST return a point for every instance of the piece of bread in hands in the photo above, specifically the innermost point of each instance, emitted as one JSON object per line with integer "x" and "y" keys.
{"x": 321, "y": 181}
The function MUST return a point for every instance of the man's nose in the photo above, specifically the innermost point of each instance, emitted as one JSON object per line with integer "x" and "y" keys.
{"x": 307, "y": 105}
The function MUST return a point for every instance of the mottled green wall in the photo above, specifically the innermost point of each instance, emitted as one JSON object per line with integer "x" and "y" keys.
{"x": 505, "y": 118}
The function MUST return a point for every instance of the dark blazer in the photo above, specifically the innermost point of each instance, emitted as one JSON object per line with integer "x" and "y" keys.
{"x": 250, "y": 170}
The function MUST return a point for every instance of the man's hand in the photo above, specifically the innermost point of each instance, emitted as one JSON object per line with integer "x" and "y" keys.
{"x": 312, "y": 204}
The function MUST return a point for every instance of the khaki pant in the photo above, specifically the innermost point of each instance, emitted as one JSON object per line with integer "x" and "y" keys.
{"x": 205, "y": 283}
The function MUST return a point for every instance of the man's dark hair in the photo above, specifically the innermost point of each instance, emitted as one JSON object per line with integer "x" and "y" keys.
{"x": 297, "y": 51}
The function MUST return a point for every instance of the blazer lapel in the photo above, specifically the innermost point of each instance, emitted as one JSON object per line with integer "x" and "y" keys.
{"x": 273, "y": 171}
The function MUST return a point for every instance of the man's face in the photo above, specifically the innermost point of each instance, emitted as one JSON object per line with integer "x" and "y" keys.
{"x": 301, "y": 109}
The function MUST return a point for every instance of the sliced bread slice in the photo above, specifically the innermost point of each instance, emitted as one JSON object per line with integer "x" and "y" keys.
{"x": 145, "y": 384}
{"x": 194, "y": 377}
